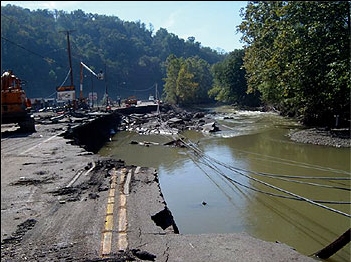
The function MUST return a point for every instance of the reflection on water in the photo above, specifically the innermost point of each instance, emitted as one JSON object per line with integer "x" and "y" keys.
{"x": 230, "y": 184}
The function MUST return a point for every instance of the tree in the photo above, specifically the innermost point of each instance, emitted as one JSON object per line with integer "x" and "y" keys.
{"x": 298, "y": 56}
{"x": 186, "y": 86}
{"x": 34, "y": 46}
{"x": 230, "y": 83}
{"x": 170, "y": 87}
{"x": 188, "y": 80}
{"x": 201, "y": 71}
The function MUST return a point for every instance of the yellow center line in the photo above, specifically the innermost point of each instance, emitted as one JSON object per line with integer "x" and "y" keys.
{"x": 122, "y": 242}
{"x": 107, "y": 233}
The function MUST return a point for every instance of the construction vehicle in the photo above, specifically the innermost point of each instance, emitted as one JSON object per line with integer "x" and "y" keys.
{"x": 15, "y": 105}
{"x": 131, "y": 101}
{"x": 99, "y": 76}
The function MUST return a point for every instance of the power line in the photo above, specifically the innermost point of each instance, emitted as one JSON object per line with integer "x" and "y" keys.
{"x": 47, "y": 59}
{"x": 290, "y": 195}
{"x": 138, "y": 90}
{"x": 295, "y": 196}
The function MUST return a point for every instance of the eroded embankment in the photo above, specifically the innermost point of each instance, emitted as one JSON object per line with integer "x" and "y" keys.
{"x": 94, "y": 134}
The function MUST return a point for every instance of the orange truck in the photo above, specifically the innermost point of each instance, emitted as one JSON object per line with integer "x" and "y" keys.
{"x": 130, "y": 101}
{"x": 15, "y": 105}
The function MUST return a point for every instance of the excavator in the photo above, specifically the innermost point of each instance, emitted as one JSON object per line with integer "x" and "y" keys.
{"x": 15, "y": 105}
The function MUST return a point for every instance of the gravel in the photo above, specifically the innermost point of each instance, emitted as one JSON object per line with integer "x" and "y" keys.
{"x": 323, "y": 137}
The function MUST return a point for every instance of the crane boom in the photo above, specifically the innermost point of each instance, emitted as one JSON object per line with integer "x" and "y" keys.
{"x": 98, "y": 76}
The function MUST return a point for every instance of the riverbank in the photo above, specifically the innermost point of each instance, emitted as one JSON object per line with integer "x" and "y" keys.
{"x": 334, "y": 137}
{"x": 323, "y": 137}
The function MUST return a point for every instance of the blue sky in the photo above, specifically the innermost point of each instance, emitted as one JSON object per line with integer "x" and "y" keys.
{"x": 212, "y": 23}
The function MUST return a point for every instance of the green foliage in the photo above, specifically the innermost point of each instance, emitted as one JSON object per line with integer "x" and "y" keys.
{"x": 34, "y": 45}
{"x": 170, "y": 88}
{"x": 188, "y": 80}
{"x": 230, "y": 83}
{"x": 298, "y": 57}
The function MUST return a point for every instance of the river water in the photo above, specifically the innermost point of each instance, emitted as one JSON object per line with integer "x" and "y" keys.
{"x": 249, "y": 178}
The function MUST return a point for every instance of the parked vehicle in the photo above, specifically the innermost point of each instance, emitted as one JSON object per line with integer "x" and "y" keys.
{"x": 15, "y": 105}
{"x": 130, "y": 101}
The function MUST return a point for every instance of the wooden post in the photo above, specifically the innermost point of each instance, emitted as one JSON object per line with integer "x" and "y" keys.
{"x": 335, "y": 246}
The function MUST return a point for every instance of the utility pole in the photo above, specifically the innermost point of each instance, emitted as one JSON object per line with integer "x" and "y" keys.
{"x": 92, "y": 91}
{"x": 106, "y": 94}
{"x": 69, "y": 54}
{"x": 157, "y": 100}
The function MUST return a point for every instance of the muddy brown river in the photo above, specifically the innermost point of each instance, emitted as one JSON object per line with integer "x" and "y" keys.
{"x": 250, "y": 178}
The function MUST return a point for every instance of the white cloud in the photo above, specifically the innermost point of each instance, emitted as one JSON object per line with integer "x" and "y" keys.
{"x": 171, "y": 20}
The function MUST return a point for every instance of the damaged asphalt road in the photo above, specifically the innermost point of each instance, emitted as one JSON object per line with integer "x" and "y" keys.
{"x": 62, "y": 202}
{"x": 55, "y": 200}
